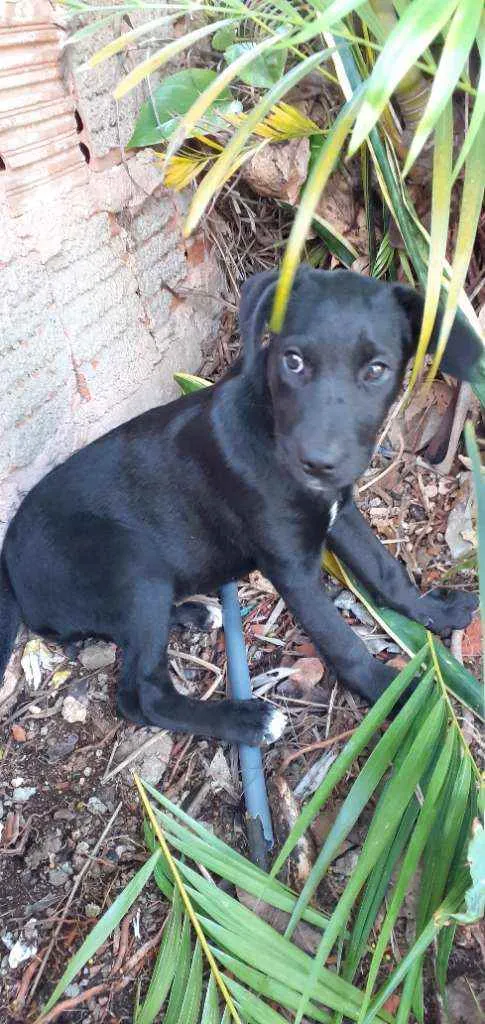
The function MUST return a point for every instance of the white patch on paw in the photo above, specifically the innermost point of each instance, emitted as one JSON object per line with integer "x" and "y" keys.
{"x": 214, "y": 612}
{"x": 276, "y": 725}
{"x": 332, "y": 515}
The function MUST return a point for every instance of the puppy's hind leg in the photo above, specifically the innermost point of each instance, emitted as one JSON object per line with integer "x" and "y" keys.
{"x": 153, "y": 700}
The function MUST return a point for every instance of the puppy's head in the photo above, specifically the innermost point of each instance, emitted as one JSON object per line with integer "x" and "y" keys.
{"x": 336, "y": 366}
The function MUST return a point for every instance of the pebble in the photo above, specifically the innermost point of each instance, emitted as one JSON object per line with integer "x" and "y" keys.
{"x": 73, "y": 710}
{"x": 82, "y": 848}
{"x": 96, "y": 806}
{"x": 153, "y": 760}
{"x": 23, "y": 793}
{"x": 98, "y": 655}
{"x": 20, "y": 952}
{"x": 58, "y": 877}
{"x": 72, "y": 990}
{"x": 60, "y": 747}
{"x": 466, "y": 1002}
{"x": 92, "y": 910}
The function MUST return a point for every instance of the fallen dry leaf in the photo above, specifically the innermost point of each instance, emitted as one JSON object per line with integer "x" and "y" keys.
{"x": 424, "y": 414}
{"x": 259, "y": 582}
{"x": 472, "y": 640}
{"x": 339, "y": 205}
{"x": 392, "y": 1004}
{"x": 307, "y": 672}
{"x": 279, "y": 170}
{"x": 285, "y": 811}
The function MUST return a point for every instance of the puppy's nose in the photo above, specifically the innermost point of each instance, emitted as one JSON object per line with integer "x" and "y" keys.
{"x": 321, "y": 463}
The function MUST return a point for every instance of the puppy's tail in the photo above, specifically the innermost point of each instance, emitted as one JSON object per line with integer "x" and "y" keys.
{"x": 9, "y": 618}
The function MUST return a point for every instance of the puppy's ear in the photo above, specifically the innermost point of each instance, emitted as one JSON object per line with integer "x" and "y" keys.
{"x": 464, "y": 347}
{"x": 256, "y": 295}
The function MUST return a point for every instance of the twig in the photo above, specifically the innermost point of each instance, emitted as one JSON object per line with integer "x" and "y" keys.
{"x": 19, "y": 1001}
{"x": 320, "y": 745}
{"x": 70, "y": 1004}
{"x": 85, "y": 868}
{"x": 133, "y": 965}
{"x": 123, "y": 946}
{"x": 196, "y": 661}
{"x": 183, "y": 750}
{"x": 134, "y": 755}
{"x": 102, "y": 742}
{"x": 273, "y": 618}
{"x": 133, "y": 962}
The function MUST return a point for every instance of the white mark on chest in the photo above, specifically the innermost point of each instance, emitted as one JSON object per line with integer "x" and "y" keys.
{"x": 332, "y": 515}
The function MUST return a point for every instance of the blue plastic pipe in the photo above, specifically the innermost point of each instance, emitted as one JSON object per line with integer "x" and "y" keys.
{"x": 258, "y": 819}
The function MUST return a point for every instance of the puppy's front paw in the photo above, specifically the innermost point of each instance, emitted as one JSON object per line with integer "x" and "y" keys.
{"x": 258, "y": 723}
{"x": 275, "y": 725}
{"x": 442, "y": 610}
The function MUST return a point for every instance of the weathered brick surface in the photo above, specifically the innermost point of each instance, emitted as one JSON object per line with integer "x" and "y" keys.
{"x": 101, "y": 299}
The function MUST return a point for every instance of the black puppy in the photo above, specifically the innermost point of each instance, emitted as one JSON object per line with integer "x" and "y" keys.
{"x": 252, "y": 472}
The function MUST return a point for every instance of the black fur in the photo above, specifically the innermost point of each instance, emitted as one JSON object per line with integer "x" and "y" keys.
{"x": 248, "y": 473}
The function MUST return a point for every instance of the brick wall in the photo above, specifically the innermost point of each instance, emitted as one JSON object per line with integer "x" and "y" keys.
{"x": 101, "y": 298}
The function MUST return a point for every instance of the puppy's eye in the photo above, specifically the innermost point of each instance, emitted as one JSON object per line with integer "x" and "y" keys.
{"x": 293, "y": 362}
{"x": 375, "y": 371}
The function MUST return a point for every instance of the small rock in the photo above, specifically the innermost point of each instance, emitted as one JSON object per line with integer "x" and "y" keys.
{"x": 153, "y": 761}
{"x": 30, "y": 930}
{"x": 8, "y": 940}
{"x": 72, "y": 990}
{"x": 18, "y": 733}
{"x": 23, "y": 793}
{"x": 34, "y": 858}
{"x": 92, "y": 910}
{"x": 52, "y": 844}
{"x": 346, "y": 864}
{"x": 64, "y": 814}
{"x": 59, "y": 748}
{"x": 17, "y": 781}
{"x": 58, "y": 877}
{"x": 82, "y": 848}
{"x": 98, "y": 655}
{"x": 466, "y": 1003}
{"x": 460, "y": 536}
{"x": 96, "y": 806}
{"x": 73, "y": 710}
{"x": 20, "y": 952}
